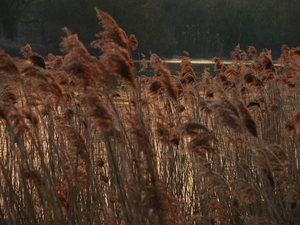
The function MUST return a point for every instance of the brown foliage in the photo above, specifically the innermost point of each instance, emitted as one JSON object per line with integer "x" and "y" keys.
{"x": 133, "y": 42}
{"x": 37, "y": 60}
{"x": 252, "y": 52}
{"x": 41, "y": 79}
{"x": 112, "y": 31}
{"x": 164, "y": 76}
{"x": 26, "y": 51}
{"x": 166, "y": 149}
{"x": 7, "y": 65}
{"x": 219, "y": 65}
{"x": 97, "y": 110}
{"x": 7, "y": 94}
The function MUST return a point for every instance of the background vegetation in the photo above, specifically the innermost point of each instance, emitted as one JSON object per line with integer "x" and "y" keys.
{"x": 204, "y": 28}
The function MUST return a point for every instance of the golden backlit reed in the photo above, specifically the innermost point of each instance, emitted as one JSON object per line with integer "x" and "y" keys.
{"x": 162, "y": 147}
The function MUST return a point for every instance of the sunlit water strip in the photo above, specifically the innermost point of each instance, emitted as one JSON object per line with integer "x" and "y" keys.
{"x": 198, "y": 65}
{"x": 203, "y": 61}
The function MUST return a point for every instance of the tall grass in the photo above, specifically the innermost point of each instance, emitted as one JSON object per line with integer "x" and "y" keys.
{"x": 157, "y": 149}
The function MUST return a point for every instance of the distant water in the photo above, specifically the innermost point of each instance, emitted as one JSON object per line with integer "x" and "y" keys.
{"x": 174, "y": 66}
{"x": 197, "y": 65}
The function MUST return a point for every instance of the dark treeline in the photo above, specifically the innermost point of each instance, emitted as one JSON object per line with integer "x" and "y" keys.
{"x": 204, "y": 28}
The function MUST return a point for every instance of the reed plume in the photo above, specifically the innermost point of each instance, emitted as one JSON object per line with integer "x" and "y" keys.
{"x": 294, "y": 122}
{"x": 144, "y": 64}
{"x": 71, "y": 43}
{"x": 219, "y": 65}
{"x": 26, "y": 51}
{"x": 285, "y": 49}
{"x": 65, "y": 82}
{"x": 294, "y": 52}
{"x": 54, "y": 62}
{"x": 42, "y": 80}
{"x": 112, "y": 31}
{"x": 243, "y": 92}
{"x": 13, "y": 118}
{"x": 97, "y": 110}
{"x": 238, "y": 54}
{"x": 75, "y": 157}
{"x": 155, "y": 88}
{"x": 164, "y": 76}
{"x": 225, "y": 81}
{"x": 274, "y": 165}
{"x": 244, "y": 192}
{"x": 31, "y": 115}
{"x": 289, "y": 126}
{"x": 37, "y": 60}
{"x": 250, "y": 77}
{"x": 162, "y": 129}
{"x": 266, "y": 62}
{"x": 232, "y": 71}
{"x": 7, "y": 65}
{"x": 114, "y": 44}
{"x": 38, "y": 181}
{"x": 193, "y": 128}
{"x": 80, "y": 70}
{"x": 214, "y": 181}
{"x": 7, "y": 94}
{"x": 285, "y": 57}
{"x": 247, "y": 118}
{"x": 76, "y": 142}
{"x": 234, "y": 116}
{"x": 5, "y": 109}
{"x": 225, "y": 113}
{"x": 200, "y": 143}
{"x": 116, "y": 60}
{"x": 133, "y": 42}
{"x": 85, "y": 69}
{"x": 156, "y": 61}
{"x": 33, "y": 57}
{"x": 186, "y": 68}
{"x": 251, "y": 104}
{"x": 252, "y": 52}
{"x": 188, "y": 79}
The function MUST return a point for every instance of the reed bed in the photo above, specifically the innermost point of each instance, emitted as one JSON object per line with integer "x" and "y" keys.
{"x": 159, "y": 148}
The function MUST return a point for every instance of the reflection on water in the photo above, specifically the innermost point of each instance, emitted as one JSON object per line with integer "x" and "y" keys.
{"x": 174, "y": 66}
{"x": 197, "y": 65}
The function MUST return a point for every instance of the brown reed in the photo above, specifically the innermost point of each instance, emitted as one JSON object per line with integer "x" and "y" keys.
{"x": 7, "y": 65}
{"x": 7, "y": 94}
{"x": 97, "y": 110}
{"x": 158, "y": 149}
{"x": 164, "y": 76}
{"x": 133, "y": 42}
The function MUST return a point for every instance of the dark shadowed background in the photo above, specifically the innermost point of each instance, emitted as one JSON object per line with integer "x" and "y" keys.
{"x": 204, "y": 28}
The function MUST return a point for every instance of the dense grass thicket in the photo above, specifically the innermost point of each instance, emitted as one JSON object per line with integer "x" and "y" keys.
{"x": 159, "y": 148}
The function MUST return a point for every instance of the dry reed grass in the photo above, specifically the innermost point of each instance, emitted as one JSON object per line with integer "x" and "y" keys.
{"x": 159, "y": 148}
